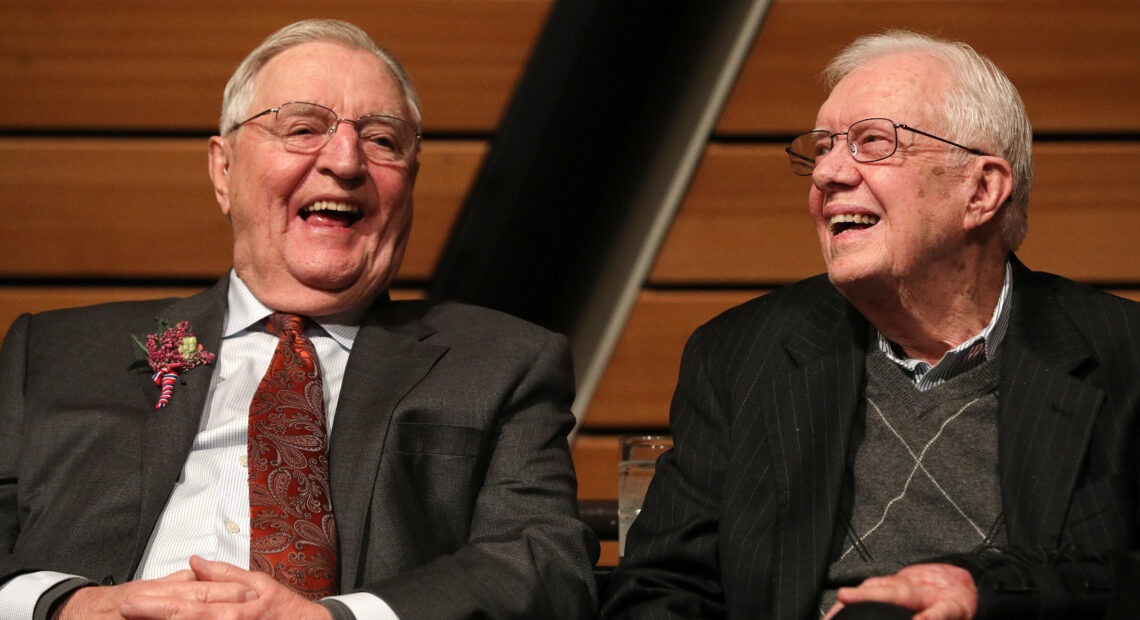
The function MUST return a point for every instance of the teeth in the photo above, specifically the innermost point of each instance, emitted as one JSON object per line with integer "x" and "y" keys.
{"x": 328, "y": 205}
{"x": 854, "y": 218}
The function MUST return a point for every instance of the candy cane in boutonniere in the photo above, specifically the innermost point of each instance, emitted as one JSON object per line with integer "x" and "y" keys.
{"x": 169, "y": 353}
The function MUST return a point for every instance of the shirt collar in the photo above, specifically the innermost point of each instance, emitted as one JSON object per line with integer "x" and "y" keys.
{"x": 965, "y": 356}
{"x": 244, "y": 310}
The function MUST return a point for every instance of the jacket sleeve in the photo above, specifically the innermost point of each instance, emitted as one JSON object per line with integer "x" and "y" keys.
{"x": 671, "y": 565}
{"x": 12, "y": 364}
{"x": 1065, "y": 583}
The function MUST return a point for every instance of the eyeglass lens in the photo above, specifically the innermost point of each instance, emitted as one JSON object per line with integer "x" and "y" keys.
{"x": 868, "y": 140}
{"x": 306, "y": 127}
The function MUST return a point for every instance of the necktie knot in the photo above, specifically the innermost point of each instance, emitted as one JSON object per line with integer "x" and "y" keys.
{"x": 286, "y": 326}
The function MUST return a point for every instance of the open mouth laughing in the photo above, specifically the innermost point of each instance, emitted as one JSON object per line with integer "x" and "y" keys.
{"x": 331, "y": 213}
{"x": 839, "y": 224}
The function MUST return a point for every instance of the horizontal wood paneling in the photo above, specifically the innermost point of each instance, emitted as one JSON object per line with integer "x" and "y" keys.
{"x": 16, "y": 300}
{"x": 1075, "y": 62}
{"x": 745, "y": 219}
{"x": 634, "y": 391}
{"x": 139, "y": 64}
{"x": 144, "y": 65}
{"x": 145, "y": 208}
{"x": 596, "y": 461}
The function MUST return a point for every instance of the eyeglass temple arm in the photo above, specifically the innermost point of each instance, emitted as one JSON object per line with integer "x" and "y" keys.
{"x": 255, "y": 116}
{"x": 930, "y": 135}
{"x": 804, "y": 158}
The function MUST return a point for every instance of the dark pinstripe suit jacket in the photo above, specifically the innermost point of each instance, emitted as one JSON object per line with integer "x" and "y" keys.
{"x": 740, "y": 518}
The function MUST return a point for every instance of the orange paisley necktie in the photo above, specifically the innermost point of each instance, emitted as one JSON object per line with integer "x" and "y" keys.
{"x": 292, "y": 529}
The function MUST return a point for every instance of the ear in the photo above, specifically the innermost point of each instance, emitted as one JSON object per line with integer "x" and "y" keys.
{"x": 993, "y": 183}
{"x": 220, "y": 155}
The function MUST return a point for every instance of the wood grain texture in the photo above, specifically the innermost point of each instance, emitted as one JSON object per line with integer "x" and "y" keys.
{"x": 1075, "y": 62}
{"x": 635, "y": 389}
{"x": 145, "y": 66}
{"x": 162, "y": 66}
{"x": 101, "y": 207}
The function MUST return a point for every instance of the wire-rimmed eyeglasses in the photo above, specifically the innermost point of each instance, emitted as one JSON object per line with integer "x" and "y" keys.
{"x": 868, "y": 140}
{"x": 306, "y": 127}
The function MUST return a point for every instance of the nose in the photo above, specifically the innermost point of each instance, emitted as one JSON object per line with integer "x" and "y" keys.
{"x": 836, "y": 167}
{"x": 343, "y": 154}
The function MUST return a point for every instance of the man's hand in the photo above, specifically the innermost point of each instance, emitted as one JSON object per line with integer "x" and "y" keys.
{"x": 265, "y": 599}
{"x": 105, "y": 602}
{"x": 935, "y": 591}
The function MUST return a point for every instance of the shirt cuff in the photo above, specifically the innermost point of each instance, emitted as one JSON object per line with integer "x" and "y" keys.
{"x": 18, "y": 597}
{"x": 360, "y": 606}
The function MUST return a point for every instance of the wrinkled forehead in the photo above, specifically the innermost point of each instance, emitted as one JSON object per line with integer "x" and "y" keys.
{"x": 906, "y": 88}
{"x": 350, "y": 80}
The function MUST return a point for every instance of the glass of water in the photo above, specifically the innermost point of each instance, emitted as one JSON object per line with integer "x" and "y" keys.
{"x": 635, "y": 470}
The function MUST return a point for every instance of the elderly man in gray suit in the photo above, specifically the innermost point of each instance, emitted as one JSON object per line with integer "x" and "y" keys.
{"x": 930, "y": 428}
{"x": 396, "y": 460}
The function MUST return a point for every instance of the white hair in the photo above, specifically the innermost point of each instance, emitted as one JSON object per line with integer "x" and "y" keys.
{"x": 239, "y": 90}
{"x": 982, "y": 109}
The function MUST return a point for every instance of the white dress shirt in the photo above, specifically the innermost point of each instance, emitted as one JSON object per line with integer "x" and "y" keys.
{"x": 208, "y": 512}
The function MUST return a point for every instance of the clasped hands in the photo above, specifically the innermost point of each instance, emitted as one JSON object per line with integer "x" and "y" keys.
{"x": 933, "y": 591}
{"x": 207, "y": 590}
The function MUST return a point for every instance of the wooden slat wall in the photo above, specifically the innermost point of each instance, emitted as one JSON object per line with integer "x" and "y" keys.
{"x": 1074, "y": 61}
{"x": 147, "y": 66}
{"x": 103, "y": 127}
{"x": 144, "y": 208}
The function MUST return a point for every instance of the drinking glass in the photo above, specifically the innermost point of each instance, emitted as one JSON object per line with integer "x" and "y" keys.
{"x": 635, "y": 470}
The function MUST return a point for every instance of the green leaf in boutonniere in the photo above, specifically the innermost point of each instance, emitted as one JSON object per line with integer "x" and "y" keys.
{"x": 169, "y": 353}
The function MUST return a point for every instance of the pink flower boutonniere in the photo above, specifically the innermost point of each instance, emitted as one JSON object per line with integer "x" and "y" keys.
{"x": 169, "y": 353}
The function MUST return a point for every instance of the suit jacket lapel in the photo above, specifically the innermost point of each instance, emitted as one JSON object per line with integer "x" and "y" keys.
{"x": 811, "y": 410}
{"x": 389, "y": 357}
{"x": 168, "y": 433}
{"x": 1046, "y": 413}
{"x": 829, "y": 350}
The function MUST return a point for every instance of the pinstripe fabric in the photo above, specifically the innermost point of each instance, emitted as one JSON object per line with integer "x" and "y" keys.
{"x": 739, "y": 520}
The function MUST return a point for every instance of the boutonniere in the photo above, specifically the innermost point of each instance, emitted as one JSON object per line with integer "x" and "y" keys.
{"x": 169, "y": 353}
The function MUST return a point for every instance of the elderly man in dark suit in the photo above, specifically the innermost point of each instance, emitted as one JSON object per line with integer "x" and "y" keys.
{"x": 930, "y": 428}
{"x": 401, "y": 460}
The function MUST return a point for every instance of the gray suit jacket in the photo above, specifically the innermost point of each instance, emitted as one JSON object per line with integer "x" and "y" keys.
{"x": 450, "y": 471}
{"x": 741, "y": 517}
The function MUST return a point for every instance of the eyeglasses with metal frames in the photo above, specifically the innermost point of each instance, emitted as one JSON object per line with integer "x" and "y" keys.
{"x": 307, "y": 127}
{"x": 868, "y": 140}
